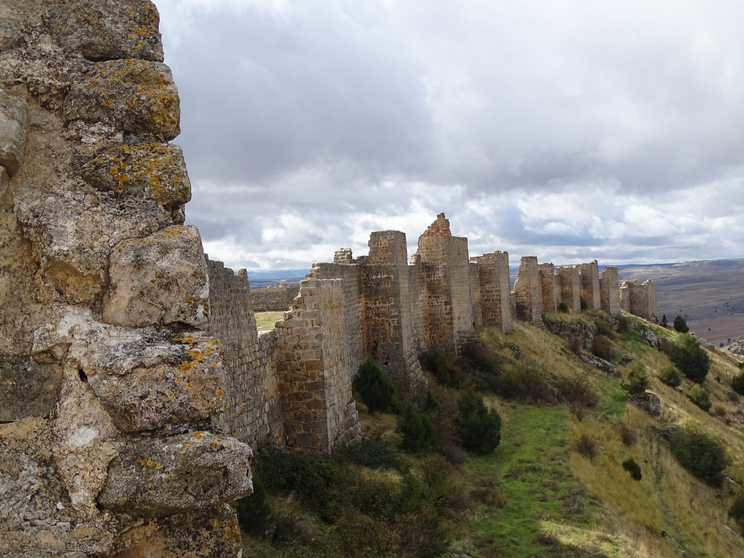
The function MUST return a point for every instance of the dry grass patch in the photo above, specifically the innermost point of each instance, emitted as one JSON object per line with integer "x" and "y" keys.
{"x": 265, "y": 321}
{"x": 668, "y": 499}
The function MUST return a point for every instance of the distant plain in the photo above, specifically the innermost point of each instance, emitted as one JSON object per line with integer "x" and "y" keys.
{"x": 708, "y": 294}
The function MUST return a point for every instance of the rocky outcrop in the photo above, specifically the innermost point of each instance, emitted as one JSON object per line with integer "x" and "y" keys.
{"x": 598, "y": 363}
{"x": 646, "y": 402}
{"x": 158, "y": 279}
{"x": 651, "y": 338}
{"x": 578, "y": 334}
{"x": 109, "y": 381}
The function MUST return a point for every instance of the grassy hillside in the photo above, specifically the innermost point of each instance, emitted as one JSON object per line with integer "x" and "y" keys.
{"x": 555, "y": 485}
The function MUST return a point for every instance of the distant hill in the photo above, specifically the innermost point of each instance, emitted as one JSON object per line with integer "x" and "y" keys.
{"x": 709, "y": 294}
{"x": 262, "y": 279}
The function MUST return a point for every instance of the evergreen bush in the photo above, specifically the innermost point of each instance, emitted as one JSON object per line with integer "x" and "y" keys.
{"x": 441, "y": 368}
{"x": 583, "y": 304}
{"x": 310, "y": 476}
{"x": 479, "y": 428}
{"x": 563, "y": 307}
{"x": 480, "y": 366}
{"x": 670, "y": 376}
{"x": 604, "y": 328}
{"x": 373, "y": 386}
{"x": 637, "y": 381}
{"x": 690, "y": 358}
{"x": 254, "y": 512}
{"x": 664, "y": 322}
{"x": 699, "y": 395}
{"x": 416, "y": 428}
{"x": 700, "y": 454}
{"x": 371, "y": 451}
{"x": 633, "y": 468}
{"x": 737, "y": 383}
{"x": 680, "y": 324}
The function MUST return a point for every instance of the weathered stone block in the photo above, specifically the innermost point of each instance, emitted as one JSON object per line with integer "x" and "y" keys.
{"x": 11, "y": 31}
{"x": 27, "y": 389}
{"x": 177, "y": 474}
{"x": 146, "y": 378}
{"x": 107, "y": 29}
{"x": 597, "y": 362}
{"x": 73, "y": 233}
{"x": 188, "y": 386}
{"x": 153, "y": 170}
{"x": 14, "y": 124}
{"x": 158, "y": 279}
{"x": 135, "y": 95}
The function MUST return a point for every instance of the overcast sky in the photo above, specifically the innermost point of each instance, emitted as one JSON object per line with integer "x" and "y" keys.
{"x": 569, "y": 130}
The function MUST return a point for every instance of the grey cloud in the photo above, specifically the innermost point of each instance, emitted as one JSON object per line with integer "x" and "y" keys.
{"x": 340, "y": 113}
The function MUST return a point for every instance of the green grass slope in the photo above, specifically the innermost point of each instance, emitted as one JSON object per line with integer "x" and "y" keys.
{"x": 541, "y": 492}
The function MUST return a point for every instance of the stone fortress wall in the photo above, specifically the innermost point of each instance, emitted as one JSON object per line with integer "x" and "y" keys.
{"x": 292, "y": 386}
{"x": 132, "y": 377}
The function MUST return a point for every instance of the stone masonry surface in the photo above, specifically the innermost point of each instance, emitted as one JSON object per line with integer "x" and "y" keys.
{"x": 110, "y": 382}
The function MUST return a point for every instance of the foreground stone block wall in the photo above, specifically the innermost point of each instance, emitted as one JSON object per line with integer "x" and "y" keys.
{"x": 110, "y": 380}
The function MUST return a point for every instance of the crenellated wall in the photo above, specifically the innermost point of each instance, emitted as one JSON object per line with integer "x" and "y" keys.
{"x": 292, "y": 385}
